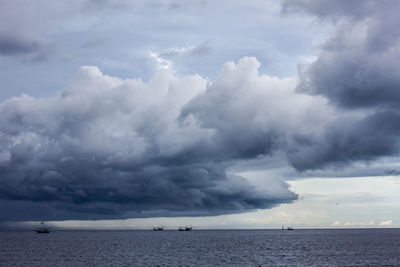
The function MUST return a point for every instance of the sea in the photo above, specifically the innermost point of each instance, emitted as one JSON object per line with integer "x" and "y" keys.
{"x": 326, "y": 247}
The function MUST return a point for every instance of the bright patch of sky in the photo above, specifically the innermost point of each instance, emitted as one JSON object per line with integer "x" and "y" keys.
{"x": 125, "y": 40}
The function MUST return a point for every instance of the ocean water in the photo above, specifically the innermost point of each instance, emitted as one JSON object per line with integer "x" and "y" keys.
{"x": 342, "y": 247}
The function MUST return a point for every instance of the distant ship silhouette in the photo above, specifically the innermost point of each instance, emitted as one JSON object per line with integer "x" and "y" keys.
{"x": 158, "y": 228}
{"x": 185, "y": 228}
{"x": 42, "y": 229}
{"x": 287, "y": 228}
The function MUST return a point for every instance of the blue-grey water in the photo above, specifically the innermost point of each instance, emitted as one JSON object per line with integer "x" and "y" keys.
{"x": 344, "y": 247}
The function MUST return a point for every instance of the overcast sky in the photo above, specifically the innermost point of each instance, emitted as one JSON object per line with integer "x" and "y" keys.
{"x": 228, "y": 114}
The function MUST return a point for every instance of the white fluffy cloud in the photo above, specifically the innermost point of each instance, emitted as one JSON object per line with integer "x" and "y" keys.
{"x": 386, "y": 223}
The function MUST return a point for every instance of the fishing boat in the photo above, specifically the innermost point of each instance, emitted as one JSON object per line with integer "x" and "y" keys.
{"x": 185, "y": 228}
{"x": 158, "y": 228}
{"x": 289, "y": 228}
{"x": 42, "y": 229}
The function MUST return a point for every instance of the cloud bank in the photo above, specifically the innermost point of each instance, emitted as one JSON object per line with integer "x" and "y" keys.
{"x": 113, "y": 148}
{"x": 118, "y": 148}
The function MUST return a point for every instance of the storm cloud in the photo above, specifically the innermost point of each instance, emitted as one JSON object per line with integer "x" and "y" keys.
{"x": 357, "y": 66}
{"x": 113, "y": 148}
{"x": 110, "y": 147}
{"x": 357, "y": 70}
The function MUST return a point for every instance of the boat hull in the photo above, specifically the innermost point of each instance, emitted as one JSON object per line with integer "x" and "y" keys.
{"x": 185, "y": 229}
{"x": 42, "y": 231}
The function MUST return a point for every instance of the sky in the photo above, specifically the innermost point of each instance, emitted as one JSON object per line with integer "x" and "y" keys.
{"x": 119, "y": 114}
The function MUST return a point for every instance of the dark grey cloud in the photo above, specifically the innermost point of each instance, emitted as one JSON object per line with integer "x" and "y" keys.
{"x": 326, "y": 9}
{"x": 357, "y": 66}
{"x": 392, "y": 172}
{"x": 28, "y": 48}
{"x": 11, "y": 45}
{"x": 79, "y": 190}
{"x": 348, "y": 140}
{"x": 21, "y": 26}
{"x": 112, "y": 148}
{"x": 95, "y": 5}
{"x": 106, "y": 5}
{"x": 357, "y": 70}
